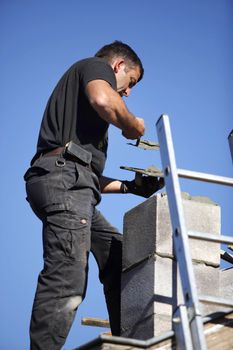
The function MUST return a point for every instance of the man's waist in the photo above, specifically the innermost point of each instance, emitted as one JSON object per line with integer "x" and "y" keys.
{"x": 71, "y": 151}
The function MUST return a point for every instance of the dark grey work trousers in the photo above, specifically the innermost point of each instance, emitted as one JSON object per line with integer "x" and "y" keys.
{"x": 63, "y": 194}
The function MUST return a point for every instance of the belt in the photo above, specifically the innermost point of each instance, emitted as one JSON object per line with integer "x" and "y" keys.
{"x": 59, "y": 150}
{"x": 54, "y": 152}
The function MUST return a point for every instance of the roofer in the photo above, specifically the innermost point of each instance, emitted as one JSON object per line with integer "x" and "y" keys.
{"x": 64, "y": 185}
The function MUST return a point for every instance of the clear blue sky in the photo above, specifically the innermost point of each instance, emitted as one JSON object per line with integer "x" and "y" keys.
{"x": 187, "y": 50}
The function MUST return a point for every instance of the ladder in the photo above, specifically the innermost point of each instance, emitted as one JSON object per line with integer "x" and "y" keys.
{"x": 187, "y": 320}
{"x": 230, "y": 140}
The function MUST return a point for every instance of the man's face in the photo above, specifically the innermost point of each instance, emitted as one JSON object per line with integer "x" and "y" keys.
{"x": 126, "y": 78}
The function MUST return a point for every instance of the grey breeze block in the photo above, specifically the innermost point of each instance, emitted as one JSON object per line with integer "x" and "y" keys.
{"x": 150, "y": 287}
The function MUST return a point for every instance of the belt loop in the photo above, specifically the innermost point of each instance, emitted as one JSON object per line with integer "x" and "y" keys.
{"x": 60, "y": 162}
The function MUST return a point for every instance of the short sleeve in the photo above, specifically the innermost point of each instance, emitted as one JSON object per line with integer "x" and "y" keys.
{"x": 97, "y": 69}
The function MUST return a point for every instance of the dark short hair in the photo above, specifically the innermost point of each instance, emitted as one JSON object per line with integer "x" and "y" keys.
{"x": 118, "y": 48}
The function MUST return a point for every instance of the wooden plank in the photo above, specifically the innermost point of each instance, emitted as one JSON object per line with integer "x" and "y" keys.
{"x": 96, "y": 322}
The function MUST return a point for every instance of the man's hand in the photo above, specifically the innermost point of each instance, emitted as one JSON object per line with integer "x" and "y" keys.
{"x": 148, "y": 185}
{"x": 136, "y": 130}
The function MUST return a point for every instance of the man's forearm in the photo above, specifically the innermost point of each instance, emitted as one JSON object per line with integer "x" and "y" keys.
{"x": 111, "y": 107}
{"x": 109, "y": 185}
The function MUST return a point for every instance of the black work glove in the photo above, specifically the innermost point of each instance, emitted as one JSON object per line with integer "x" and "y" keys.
{"x": 145, "y": 186}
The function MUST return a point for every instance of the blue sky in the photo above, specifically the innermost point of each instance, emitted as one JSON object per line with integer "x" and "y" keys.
{"x": 187, "y": 50}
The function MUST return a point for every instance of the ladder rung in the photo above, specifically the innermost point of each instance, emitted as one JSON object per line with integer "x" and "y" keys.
{"x": 188, "y": 174}
{"x": 210, "y": 237}
{"x": 216, "y": 300}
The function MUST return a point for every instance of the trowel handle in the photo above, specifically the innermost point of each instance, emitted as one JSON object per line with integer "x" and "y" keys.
{"x": 138, "y": 179}
{"x": 138, "y": 141}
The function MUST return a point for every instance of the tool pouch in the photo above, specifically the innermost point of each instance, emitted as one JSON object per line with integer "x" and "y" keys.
{"x": 76, "y": 151}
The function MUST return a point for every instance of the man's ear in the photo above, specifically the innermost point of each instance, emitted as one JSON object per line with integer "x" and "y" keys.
{"x": 117, "y": 64}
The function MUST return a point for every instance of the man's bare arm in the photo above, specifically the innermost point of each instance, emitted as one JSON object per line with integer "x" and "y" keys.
{"x": 111, "y": 107}
{"x": 147, "y": 186}
{"x": 109, "y": 185}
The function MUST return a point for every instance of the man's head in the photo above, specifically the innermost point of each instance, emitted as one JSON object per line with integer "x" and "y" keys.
{"x": 126, "y": 64}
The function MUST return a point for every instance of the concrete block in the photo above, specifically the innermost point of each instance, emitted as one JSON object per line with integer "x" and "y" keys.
{"x": 149, "y": 327}
{"x": 226, "y": 283}
{"x": 137, "y": 292}
{"x": 200, "y": 215}
{"x": 168, "y": 289}
{"x": 139, "y": 233}
{"x": 152, "y": 290}
{"x": 147, "y": 230}
{"x": 208, "y": 283}
{"x": 142, "y": 330}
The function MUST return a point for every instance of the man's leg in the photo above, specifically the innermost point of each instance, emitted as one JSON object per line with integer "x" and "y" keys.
{"x": 62, "y": 283}
{"x": 63, "y": 197}
{"x": 106, "y": 246}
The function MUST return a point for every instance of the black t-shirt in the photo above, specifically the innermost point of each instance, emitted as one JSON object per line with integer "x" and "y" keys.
{"x": 70, "y": 117}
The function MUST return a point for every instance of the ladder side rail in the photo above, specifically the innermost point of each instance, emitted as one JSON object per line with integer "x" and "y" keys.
{"x": 230, "y": 140}
{"x": 181, "y": 328}
{"x": 180, "y": 236}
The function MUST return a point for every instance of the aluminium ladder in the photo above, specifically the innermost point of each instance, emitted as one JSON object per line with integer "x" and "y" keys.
{"x": 230, "y": 140}
{"x": 187, "y": 320}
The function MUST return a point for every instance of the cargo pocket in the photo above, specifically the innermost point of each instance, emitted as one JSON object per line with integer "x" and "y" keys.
{"x": 37, "y": 188}
{"x": 34, "y": 172}
{"x": 45, "y": 191}
{"x": 70, "y": 175}
{"x": 67, "y": 235}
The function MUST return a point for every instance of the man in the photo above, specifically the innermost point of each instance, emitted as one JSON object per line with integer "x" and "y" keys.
{"x": 64, "y": 184}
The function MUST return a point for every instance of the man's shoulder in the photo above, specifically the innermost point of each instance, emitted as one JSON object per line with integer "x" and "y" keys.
{"x": 88, "y": 66}
{"x": 91, "y": 68}
{"x": 90, "y": 61}
{"x": 94, "y": 68}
